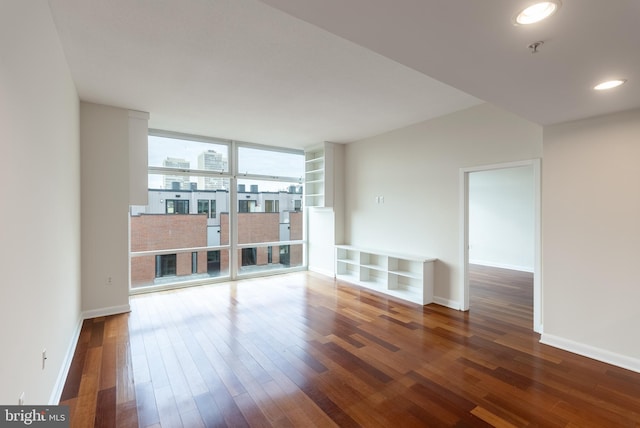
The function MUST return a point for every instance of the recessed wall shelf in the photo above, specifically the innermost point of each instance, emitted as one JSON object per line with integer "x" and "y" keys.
{"x": 318, "y": 176}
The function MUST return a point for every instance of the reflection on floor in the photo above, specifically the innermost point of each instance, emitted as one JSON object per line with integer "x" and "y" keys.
{"x": 301, "y": 350}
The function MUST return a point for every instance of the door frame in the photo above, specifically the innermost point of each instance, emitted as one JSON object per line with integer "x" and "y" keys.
{"x": 464, "y": 234}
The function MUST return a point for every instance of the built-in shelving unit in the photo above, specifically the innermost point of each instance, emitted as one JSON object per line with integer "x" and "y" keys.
{"x": 404, "y": 276}
{"x": 314, "y": 178}
{"x": 318, "y": 176}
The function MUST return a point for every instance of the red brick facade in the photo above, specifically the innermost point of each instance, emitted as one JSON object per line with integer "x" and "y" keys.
{"x": 295, "y": 224}
{"x": 150, "y": 232}
{"x": 161, "y": 232}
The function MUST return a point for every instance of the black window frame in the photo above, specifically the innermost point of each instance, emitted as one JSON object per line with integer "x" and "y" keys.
{"x": 166, "y": 265}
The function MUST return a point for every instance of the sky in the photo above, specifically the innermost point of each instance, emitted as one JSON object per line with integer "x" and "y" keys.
{"x": 251, "y": 160}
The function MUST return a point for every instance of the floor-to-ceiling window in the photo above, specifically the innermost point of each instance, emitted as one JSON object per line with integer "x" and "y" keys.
{"x": 217, "y": 209}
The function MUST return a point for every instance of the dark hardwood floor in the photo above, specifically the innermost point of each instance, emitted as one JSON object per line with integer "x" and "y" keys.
{"x": 300, "y": 350}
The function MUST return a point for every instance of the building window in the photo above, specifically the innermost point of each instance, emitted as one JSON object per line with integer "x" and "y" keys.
{"x": 248, "y": 256}
{"x": 297, "y": 205}
{"x": 271, "y": 206}
{"x": 165, "y": 265}
{"x": 213, "y": 262}
{"x": 269, "y": 254}
{"x": 203, "y": 206}
{"x": 177, "y": 206}
{"x": 194, "y": 262}
{"x": 284, "y": 255}
{"x": 208, "y": 207}
{"x": 246, "y": 206}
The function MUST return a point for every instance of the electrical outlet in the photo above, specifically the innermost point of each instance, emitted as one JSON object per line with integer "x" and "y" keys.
{"x": 44, "y": 358}
{"x": 21, "y": 400}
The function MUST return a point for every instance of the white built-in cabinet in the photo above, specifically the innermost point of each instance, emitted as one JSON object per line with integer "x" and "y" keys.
{"x": 404, "y": 276}
{"x": 319, "y": 176}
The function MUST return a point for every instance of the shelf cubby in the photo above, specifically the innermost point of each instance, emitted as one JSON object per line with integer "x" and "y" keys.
{"x": 407, "y": 277}
{"x": 318, "y": 176}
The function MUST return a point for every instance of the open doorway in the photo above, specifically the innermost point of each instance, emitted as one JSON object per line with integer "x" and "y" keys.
{"x": 489, "y": 238}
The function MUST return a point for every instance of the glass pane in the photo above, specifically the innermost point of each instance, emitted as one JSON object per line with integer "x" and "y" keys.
{"x": 266, "y": 162}
{"x": 268, "y": 211}
{"x": 188, "y": 213}
{"x": 180, "y": 181}
{"x": 180, "y": 220}
{"x": 187, "y": 154}
{"x": 185, "y": 182}
{"x": 262, "y": 259}
{"x": 179, "y": 267}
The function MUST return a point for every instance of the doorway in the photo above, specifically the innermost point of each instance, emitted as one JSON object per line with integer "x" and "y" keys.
{"x": 465, "y": 233}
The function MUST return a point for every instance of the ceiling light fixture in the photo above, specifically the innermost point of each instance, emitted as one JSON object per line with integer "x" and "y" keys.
{"x": 609, "y": 84}
{"x": 537, "y": 12}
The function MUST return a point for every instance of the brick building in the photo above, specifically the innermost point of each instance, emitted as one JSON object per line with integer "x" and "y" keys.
{"x": 260, "y": 228}
{"x": 151, "y": 232}
{"x": 157, "y": 232}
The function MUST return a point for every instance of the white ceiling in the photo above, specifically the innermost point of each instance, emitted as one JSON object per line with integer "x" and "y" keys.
{"x": 340, "y": 71}
{"x": 473, "y": 45}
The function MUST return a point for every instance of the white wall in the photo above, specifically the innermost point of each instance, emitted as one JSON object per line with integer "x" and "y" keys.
{"x": 321, "y": 248}
{"x": 416, "y": 169}
{"x": 104, "y": 135}
{"x": 502, "y": 218}
{"x": 40, "y": 216}
{"x": 591, "y": 237}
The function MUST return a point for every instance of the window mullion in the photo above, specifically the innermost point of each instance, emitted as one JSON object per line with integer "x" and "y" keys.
{"x": 233, "y": 212}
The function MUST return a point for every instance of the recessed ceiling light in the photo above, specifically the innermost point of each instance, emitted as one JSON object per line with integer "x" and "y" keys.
{"x": 537, "y": 12}
{"x": 609, "y": 84}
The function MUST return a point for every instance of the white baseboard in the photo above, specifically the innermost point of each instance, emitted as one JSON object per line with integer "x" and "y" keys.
{"x": 603, "y": 355}
{"x": 501, "y": 265}
{"x": 103, "y": 312}
{"x": 321, "y": 271}
{"x": 453, "y": 304}
{"x": 56, "y": 393}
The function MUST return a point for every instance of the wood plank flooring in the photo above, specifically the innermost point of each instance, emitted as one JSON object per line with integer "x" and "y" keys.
{"x": 301, "y": 350}
{"x": 99, "y": 389}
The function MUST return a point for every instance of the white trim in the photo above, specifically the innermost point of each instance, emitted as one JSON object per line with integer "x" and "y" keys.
{"x": 514, "y": 164}
{"x": 190, "y": 137}
{"x": 270, "y": 272}
{"x": 593, "y": 352}
{"x": 103, "y": 312}
{"x": 537, "y": 256}
{"x": 233, "y": 214}
{"x": 452, "y": 304}
{"x": 178, "y": 250}
{"x": 56, "y": 393}
{"x": 463, "y": 223}
{"x": 413, "y": 257}
{"x": 463, "y": 220}
{"x": 178, "y": 285}
{"x": 322, "y": 271}
{"x": 501, "y": 265}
